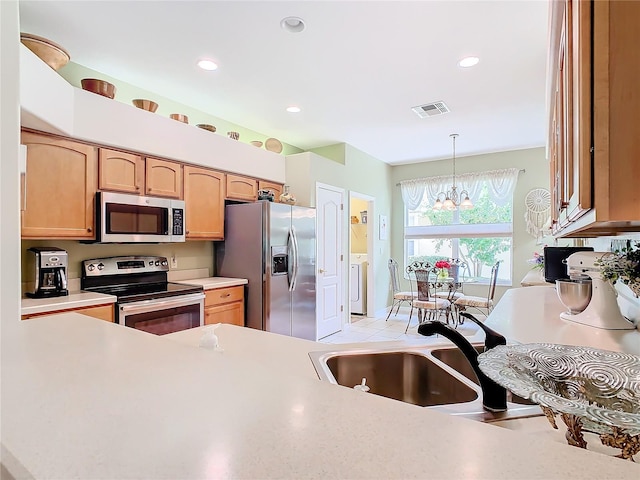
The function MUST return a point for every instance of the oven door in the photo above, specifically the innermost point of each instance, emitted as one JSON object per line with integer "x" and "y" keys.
{"x": 164, "y": 315}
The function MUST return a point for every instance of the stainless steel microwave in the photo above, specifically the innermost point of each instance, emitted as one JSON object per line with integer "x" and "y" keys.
{"x": 124, "y": 218}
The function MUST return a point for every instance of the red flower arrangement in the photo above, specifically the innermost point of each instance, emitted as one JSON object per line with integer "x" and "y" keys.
{"x": 443, "y": 264}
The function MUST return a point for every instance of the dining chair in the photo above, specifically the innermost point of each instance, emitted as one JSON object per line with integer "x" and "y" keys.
{"x": 426, "y": 283}
{"x": 451, "y": 289}
{"x": 398, "y": 296}
{"x": 482, "y": 304}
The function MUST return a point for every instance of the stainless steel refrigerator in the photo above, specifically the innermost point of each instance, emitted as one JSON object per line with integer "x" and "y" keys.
{"x": 273, "y": 246}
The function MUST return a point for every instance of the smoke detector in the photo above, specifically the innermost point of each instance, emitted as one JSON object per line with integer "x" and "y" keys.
{"x": 431, "y": 109}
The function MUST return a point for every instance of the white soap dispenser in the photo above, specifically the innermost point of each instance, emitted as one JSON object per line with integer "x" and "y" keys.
{"x": 209, "y": 339}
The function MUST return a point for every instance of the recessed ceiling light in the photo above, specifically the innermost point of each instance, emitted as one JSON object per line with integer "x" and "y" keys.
{"x": 292, "y": 24}
{"x": 468, "y": 61}
{"x": 293, "y": 109}
{"x": 207, "y": 64}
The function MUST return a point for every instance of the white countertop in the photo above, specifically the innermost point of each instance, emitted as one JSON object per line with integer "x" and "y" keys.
{"x": 83, "y": 398}
{"x": 215, "y": 282}
{"x": 532, "y": 315}
{"x": 30, "y": 306}
{"x": 534, "y": 278}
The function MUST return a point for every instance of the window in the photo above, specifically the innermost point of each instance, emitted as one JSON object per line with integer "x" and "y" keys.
{"x": 480, "y": 236}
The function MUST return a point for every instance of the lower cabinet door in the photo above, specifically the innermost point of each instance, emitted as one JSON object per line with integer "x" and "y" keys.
{"x": 232, "y": 313}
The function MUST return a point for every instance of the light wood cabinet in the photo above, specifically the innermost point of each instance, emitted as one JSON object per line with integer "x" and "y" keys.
{"x": 242, "y": 188}
{"x": 276, "y": 188}
{"x": 593, "y": 132}
{"x": 163, "y": 178}
{"x": 120, "y": 172}
{"x": 204, "y": 191}
{"x": 59, "y": 188}
{"x": 101, "y": 312}
{"x": 224, "y": 305}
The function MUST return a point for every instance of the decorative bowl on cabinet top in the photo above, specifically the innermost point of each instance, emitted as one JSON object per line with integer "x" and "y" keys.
{"x": 148, "y": 105}
{"x": 101, "y": 87}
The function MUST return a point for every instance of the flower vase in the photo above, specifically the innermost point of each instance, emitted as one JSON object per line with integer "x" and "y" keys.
{"x": 443, "y": 273}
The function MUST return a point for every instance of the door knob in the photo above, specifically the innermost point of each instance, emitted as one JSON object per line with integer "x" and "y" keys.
{"x": 321, "y": 270}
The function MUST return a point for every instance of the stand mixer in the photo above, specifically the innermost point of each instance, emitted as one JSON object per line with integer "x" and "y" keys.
{"x": 603, "y": 310}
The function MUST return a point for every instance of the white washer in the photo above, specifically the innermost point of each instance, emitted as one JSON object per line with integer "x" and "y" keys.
{"x": 358, "y": 287}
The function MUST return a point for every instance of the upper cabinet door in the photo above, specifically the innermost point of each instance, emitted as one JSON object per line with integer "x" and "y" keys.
{"x": 242, "y": 188}
{"x": 164, "y": 178}
{"x": 60, "y": 185}
{"x": 204, "y": 203}
{"x": 121, "y": 172}
{"x": 276, "y": 188}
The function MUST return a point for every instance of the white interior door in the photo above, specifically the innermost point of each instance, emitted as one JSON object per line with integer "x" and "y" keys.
{"x": 329, "y": 291}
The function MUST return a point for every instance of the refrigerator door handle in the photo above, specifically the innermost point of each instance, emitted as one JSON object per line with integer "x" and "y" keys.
{"x": 294, "y": 255}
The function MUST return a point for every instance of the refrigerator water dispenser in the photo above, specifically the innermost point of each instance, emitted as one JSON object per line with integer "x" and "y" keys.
{"x": 279, "y": 262}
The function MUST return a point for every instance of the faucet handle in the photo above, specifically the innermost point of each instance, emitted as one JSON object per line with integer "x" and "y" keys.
{"x": 492, "y": 338}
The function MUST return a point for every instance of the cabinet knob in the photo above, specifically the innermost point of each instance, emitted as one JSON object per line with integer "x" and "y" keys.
{"x": 89, "y": 229}
{"x": 188, "y": 232}
{"x": 137, "y": 187}
{"x": 225, "y": 295}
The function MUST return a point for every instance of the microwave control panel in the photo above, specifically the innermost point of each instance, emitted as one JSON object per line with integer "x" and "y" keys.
{"x": 178, "y": 221}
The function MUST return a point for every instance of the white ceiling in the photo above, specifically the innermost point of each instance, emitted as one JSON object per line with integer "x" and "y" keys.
{"x": 356, "y": 70}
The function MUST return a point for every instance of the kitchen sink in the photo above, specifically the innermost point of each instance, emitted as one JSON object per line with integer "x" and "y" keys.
{"x": 407, "y": 376}
{"x": 438, "y": 377}
{"x": 455, "y": 359}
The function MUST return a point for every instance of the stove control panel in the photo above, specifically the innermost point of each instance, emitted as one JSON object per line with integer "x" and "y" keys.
{"x": 124, "y": 265}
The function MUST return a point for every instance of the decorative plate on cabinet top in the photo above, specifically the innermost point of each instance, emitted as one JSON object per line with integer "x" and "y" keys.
{"x": 206, "y": 126}
{"x": 273, "y": 145}
{"x": 52, "y": 54}
{"x": 256, "y": 143}
{"x": 601, "y": 387}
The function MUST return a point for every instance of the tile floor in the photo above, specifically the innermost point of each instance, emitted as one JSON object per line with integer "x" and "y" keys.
{"x": 369, "y": 329}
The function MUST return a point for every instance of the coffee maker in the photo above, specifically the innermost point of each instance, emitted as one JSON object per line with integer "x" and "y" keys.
{"x": 49, "y": 265}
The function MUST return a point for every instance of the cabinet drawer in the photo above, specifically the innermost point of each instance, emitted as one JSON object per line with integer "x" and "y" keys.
{"x": 101, "y": 312}
{"x": 221, "y": 296}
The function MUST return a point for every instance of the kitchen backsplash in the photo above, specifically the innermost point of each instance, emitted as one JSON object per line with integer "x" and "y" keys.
{"x": 189, "y": 255}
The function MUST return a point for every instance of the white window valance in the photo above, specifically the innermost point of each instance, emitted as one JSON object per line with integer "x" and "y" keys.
{"x": 501, "y": 184}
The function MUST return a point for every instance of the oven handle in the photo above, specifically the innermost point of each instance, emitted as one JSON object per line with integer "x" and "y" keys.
{"x": 154, "y": 305}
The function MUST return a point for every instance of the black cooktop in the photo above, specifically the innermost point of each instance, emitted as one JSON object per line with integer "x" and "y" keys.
{"x": 146, "y": 291}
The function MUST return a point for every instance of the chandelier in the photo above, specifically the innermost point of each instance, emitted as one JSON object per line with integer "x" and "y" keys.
{"x": 451, "y": 199}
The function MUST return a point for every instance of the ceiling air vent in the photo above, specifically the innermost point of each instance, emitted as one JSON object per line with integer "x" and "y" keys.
{"x": 431, "y": 109}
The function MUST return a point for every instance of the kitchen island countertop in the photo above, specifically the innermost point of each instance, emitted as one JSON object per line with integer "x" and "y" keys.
{"x": 532, "y": 315}
{"x": 83, "y": 398}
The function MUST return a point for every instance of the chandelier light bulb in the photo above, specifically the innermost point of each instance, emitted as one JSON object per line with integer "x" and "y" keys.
{"x": 448, "y": 204}
{"x": 466, "y": 204}
{"x": 437, "y": 205}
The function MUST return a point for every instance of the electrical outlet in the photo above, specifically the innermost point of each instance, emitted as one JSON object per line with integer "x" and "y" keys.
{"x": 174, "y": 261}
